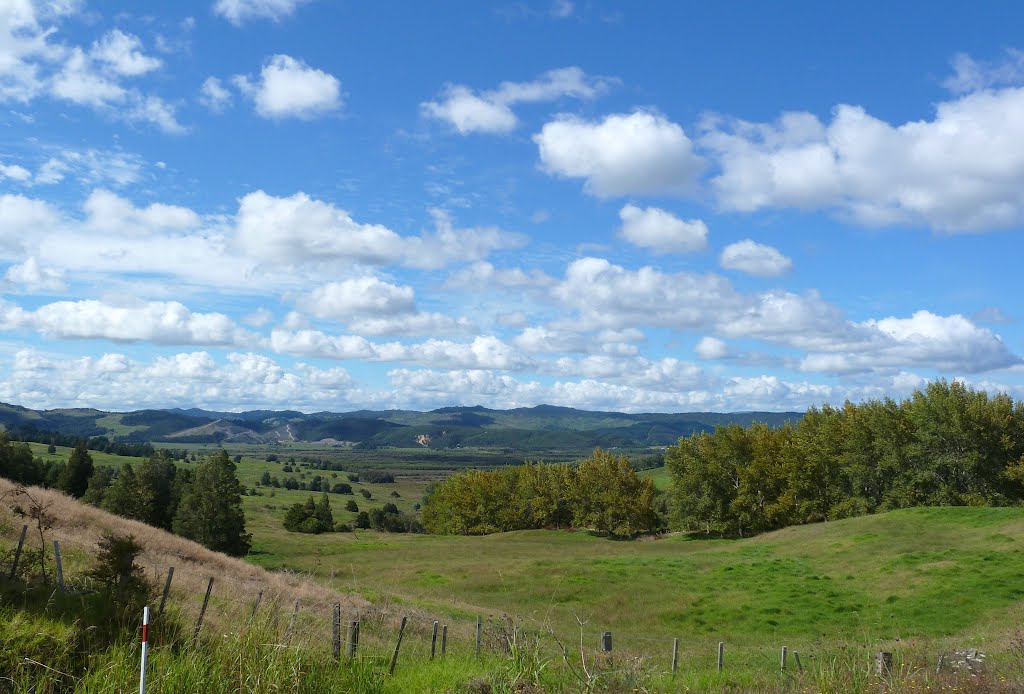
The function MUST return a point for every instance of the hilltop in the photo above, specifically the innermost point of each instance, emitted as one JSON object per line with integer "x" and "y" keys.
{"x": 540, "y": 428}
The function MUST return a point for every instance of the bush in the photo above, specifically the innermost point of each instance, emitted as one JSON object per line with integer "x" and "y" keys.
{"x": 352, "y": 506}
{"x": 366, "y": 493}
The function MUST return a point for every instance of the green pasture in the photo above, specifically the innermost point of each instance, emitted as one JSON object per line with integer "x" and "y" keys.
{"x": 939, "y": 574}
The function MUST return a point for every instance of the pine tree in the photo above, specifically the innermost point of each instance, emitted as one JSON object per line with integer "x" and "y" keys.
{"x": 210, "y": 511}
{"x": 323, "y": 513}
{"x": 75, "y": 478}
{"x": 122, "y": 497}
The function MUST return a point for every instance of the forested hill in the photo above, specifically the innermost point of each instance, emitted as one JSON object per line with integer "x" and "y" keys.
{"x": 540, "y": 428}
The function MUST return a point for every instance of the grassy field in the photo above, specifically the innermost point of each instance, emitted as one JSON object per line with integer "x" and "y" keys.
{"x": 944, "y": 575}
{"x": 658, "y": 475}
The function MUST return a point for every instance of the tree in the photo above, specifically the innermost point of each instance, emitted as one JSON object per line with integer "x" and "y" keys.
{"x": 352, "y": 506}
{"x": 75, "y": 479}
{"x": 265, "y": 478}
{"x": 157, "y": 491}
{"x": 122, "y": 497}
{"x": 210, "y": 511}
{"x": 99, "y": 483}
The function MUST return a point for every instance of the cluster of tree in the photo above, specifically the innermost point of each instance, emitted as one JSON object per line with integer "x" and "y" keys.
{"x": 204, "y": 505}
{"x": 376, "y": 476}
{"x": 18, "y": 464}
{"x": 311, "y": 517}
{"x": 945, "y": 445}
{"x": 96, "y": 443}
{"x": 602, "y": 493}
{"x": 317, "y": 484}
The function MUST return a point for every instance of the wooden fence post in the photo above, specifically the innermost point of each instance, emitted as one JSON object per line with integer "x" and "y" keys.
{"x": 721, "y": 654}
{"x": 256, "y": 606}
{"x": 167, "y": 590}
{"x": 479, "y": 633}
{"x": 883, "y": 663}
{"x": 350, "y": 649}
{"x": 444, "y": 639}
{"x": 394, "y": 658}
{"x": 202, "y": 612}
{"x": 291, "y": 623}
{"x": 433, "y": 641}
{"x": 782, "y": 664}
{"x": 606, "y": 642}
{"x": 675, "y": 655}
{"x": 60, "y": 567}
{"x": 17, "y": 552}
{"x": 336, "y": 632}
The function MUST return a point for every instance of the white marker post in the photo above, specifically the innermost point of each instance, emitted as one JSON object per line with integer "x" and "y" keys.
{"x": 145, "y": 649}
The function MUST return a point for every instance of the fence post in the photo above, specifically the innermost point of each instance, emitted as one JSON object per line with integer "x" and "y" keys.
{"x": 17, "y": 552}
{"x": 336, "y": 632}
{"x": 167, "y": 590}
{"x": 606, "y": 642}
{"x": 350, "y": 649}
{"x": 883, "y": 663}
{"x": 479, "y": 633}
{"x": 433, "y": 641}
{"x": 394, "y": 658}
{"x": 202, "y": 612}
{"x": 60, "y": 567}
{"x": 721, "y": 654}
{"x": 256, "y": 606}
{"x": 444, "y": 639}
{"x": 675, "y": 655}
{"x": 291, "y": 623}
{"x": 799, "y": 666}
{"x": 782, "y": 664}
{"x": 145, "y": 649}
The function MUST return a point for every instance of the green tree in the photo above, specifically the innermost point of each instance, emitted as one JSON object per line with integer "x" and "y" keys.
{"x": 75, "y": 479}
{"x": 100, "y": 481}
{"x": 122, "y": 497}
{"x": 610, "y": 498}
{"x": 210, "y": 511}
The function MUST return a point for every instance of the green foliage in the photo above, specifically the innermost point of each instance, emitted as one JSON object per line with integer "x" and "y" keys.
{"x": 603, "y": 493}
{"x": 310, "y": 517}
{"x": 122, "y": 497}
{"x": 210, "y": 511}
{"x": 75, "y": 479}
{"x": 946, "y": 445}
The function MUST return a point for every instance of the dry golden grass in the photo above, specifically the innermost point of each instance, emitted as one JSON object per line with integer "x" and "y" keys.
{"x": 79, "y": 527}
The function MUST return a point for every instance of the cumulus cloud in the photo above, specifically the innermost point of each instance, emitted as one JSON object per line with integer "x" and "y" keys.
{"x": 289, "y": 88}
{"x": 110, "y": 213}
{"x": 662, "y": 231}
{"x": 15, "y": 172}
{"x": 214, "y": 95}
{"x": 165, "y": 323}
{"x": 711, "y": 348}
{"x": 970, "y": 75}
{"x": 639, "y": 153}
{"x": 240, "y": 11}
{"x": 958, "y": 172}
{"x": 189, "y": 379}
{"x": 484, "y": 275}
{"x": 123, "y": 54}
{"x": 755, "y": 259}
{"x": 30, "y": 277}
{"x": 21, "y": 219}
{"x": 359, "y": 296}
{"x": 491, "y": 111}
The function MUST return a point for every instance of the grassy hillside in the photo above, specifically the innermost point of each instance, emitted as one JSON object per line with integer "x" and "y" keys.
{"x": 936, "y": 573}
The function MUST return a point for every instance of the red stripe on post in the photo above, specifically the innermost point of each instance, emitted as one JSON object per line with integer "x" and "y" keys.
{"x": 145, "y": 633}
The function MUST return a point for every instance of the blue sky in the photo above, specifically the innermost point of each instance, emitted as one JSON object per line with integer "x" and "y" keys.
{"x": 645, "y": 207}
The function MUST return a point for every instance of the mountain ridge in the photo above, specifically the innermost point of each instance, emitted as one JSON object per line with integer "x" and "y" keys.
{"x": 542, "y": 427}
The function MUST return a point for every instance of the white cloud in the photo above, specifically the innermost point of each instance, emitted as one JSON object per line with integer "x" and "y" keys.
{"x": 122, "y": 53}
{"x": 662, "y": 231}
{"x": 25, "y": 47}
{"x": 191, "y": 379}
{"x": 971, "y": 75}
{"x": 413, "y": 324}
{"x": 755, "y": 259}
{"x": 289, "y": 88}
{"x": 491, "y": 112}
{"x": 29, "y": 276}
{"x": 561, "y": 9}
{"x": 959, "y": 172}
{"x": 110, "y": 213}
{"x": 91, "y": 166}
{"x": 484, "y": 275}
{"x": 298, "y": 228}
{"x": 711, "y": 348}
{"x": 360, "y": 296}
{"x": 213, "y": 95}
{"x": 625, "y": 154}
{"x": 21, "y": 219}
{"x": 165, "y": 323}
{"x": 239, "y": 11}
{"x": 945, "y": 343}
{"x": 15, "y": 173}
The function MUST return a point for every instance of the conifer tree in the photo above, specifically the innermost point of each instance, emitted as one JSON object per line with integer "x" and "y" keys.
{"x": 75, "y": 478}
{"x": 210, "y": 511}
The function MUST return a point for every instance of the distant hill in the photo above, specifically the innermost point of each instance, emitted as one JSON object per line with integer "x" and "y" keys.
{"x": 523, "y": 429}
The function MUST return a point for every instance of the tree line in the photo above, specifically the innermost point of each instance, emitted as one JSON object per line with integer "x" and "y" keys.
{"x": 204, "y": 504}
{"x": 95, "y": 443}
{"x": 602, "y": 493}
{"x": 947, "y": 444}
